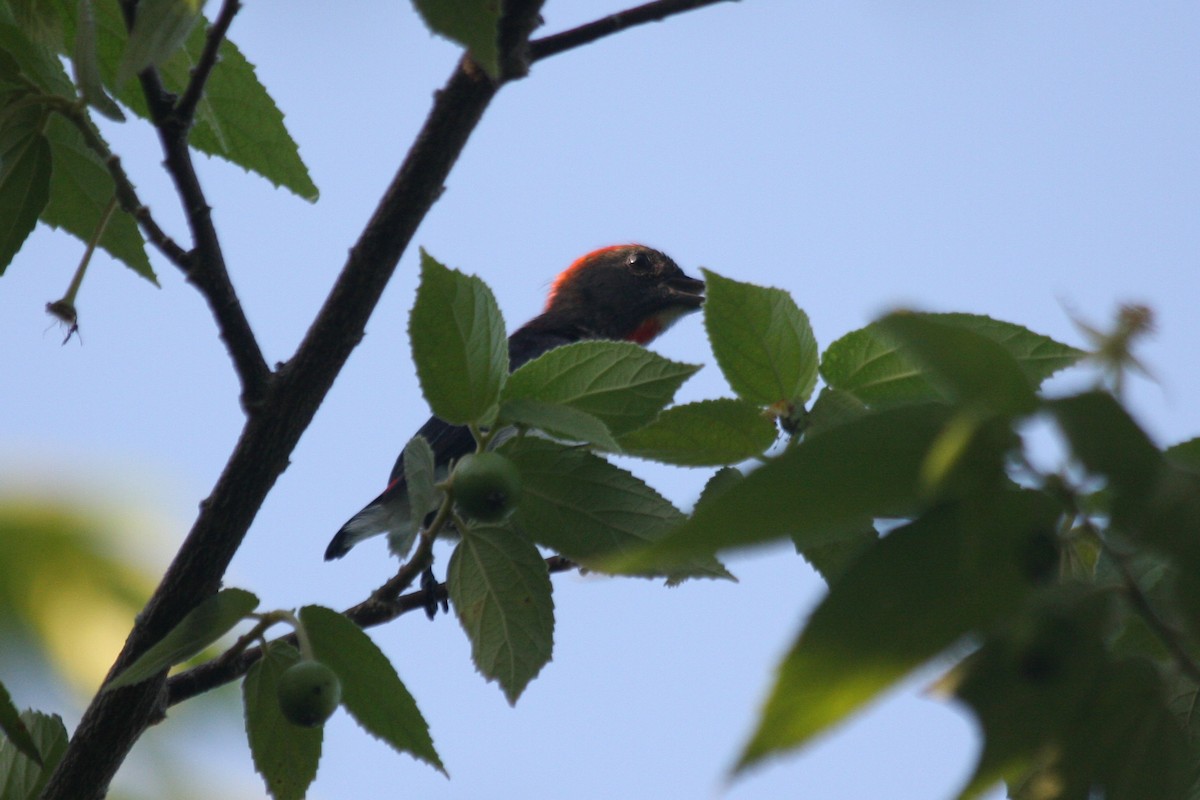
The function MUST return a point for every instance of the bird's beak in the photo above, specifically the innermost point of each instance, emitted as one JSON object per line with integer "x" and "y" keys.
{"x": 686, "y": 291}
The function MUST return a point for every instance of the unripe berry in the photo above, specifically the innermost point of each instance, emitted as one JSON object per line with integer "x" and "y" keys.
{"x": 309, "y": 693}
{"x": 486, "y": 486}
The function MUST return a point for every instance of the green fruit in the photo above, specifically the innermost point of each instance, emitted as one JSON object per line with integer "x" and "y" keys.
{"x": 486, "y": 486}
{"x": 309, "y": 693}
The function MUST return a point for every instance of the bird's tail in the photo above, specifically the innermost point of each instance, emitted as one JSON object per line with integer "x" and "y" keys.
{"x": 389, "y": 513}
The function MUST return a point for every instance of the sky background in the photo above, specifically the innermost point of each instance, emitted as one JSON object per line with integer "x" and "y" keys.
{"x": 1012, "y": 159}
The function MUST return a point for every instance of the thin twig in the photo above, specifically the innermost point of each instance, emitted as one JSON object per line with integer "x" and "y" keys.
{"x": 1141, "y": 603}
{"x": 115, "y": 720}
{"x": 367, "y": 614}
{"x": 613, "y": 23}
{"x": 185, "y": 109}
{"x": 127, "y": 197}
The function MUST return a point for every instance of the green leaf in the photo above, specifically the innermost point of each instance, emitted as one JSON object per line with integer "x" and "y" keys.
{"x": 286, "y": 755}
{"x": 1056, "y": 711}
{"x": 708, "y": 433}
{"x": 833, "y": 557}
{"x": 623, "y": 384}
{"x": 14, "y": 728}
{"x": 86, "y": 64}
{"x": 905, "y": 600}
{"x": 500, "y": 589}
{"x": 1108, "y": 442}
{"x": 371, "y": 690}
{"x": 38, "y": 64}
{"x": 581, "y": 506}
{"x": 80, "y": 191}
{"x": 236, "y": 119}
{"x": 160, "y": 28}
{"x": 721, "y": 481}
{"x": 472, "y": 23}
{"x": 420, "y": 473}
{"x": 868, "y": 363}
{"x": 967, "y": 366}
{"x": 203, "y": 625}
{"x": 1185, "y": 454}
{"x": 239, "y": 121}
{"x": 762, "y": 341}
{"x": 24, "y": 183}
{"x": 458, "y": 344}
{"x": 833, "y": 407}
{"x": 21, "y": 778}
{"x": 560, "y": 421}
{"x": 866, "y": 467}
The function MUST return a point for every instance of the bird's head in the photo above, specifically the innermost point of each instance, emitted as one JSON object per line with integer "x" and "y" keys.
{"x": 626, "y": 291}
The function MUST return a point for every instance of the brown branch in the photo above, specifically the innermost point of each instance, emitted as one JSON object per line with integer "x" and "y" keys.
{"x": 204, "y": 267}
{"x": 367, "y": 614}
{"x": 613, "y": 23}
{"x": 285, "y": 405}
{"x": 185, "y": 109}
{"x": 126, "y": 194}
{"x": 115, "y": 720}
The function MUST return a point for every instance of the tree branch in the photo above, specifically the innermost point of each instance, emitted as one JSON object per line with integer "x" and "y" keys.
{"x": 185, "y": 109}
{"x": 204, "y": 267}
{"x": 127, "y": 197}
{"x": 115, "y": 720}
{"x": 613, "y": 23}
{"x": 284, "y": 407}
{"x": 367, "y": 614}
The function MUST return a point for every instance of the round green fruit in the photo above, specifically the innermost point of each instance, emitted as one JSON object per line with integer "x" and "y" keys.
{"x": 309, "y": 693}
{"x": 486, "y": 486}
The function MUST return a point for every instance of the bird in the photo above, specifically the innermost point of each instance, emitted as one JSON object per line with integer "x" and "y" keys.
{"x": 624, "y": 292}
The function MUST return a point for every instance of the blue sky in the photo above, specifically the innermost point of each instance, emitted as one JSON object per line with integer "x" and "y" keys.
{"x": 1011, "y": 159}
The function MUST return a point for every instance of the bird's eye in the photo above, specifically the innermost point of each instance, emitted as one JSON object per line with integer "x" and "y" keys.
{"x": 639, "y": 261}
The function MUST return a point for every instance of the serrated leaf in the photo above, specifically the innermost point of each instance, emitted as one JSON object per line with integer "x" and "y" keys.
{"x": 38, "y": 63}
{"x": 419, "y": 476}
{"x": 967, "y": 366}
{"x": 761, "y": 339}
{"x": 581, "y": 506}
{"x": 21, "y": 778}
{"x": 159, "y": 29}
{"x": 202, "y": 626}
{"x": 833, "y": 407}
{"x": 833, "y": 557}
{"x": 14, "y": 728}
{"x": 560, "y": 421}
{"x": 501, "y": 592}
{"x": 371, "y": 690}
{"x": 24, "y": 184}
{"x": 708, "y": 433}
{"x": 236, "y": 119}
{"x": 239, "y": 121}
{"x": 472, "y": 23}
{"x": 868, "y": 364}
{"x": 80, "y": 191}
{"x": 866, "y": 467}
{"x": 721, "y": 481}
{"x": 458, "y": 344}
{"x": 284, "y": 754}
{"x": 86, "y": 64}
{"x": 907, "y": 599}
{"x": 623, "y": 384}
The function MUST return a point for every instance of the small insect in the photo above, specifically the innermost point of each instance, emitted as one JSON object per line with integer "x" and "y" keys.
{"x": 64, "y": 312}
